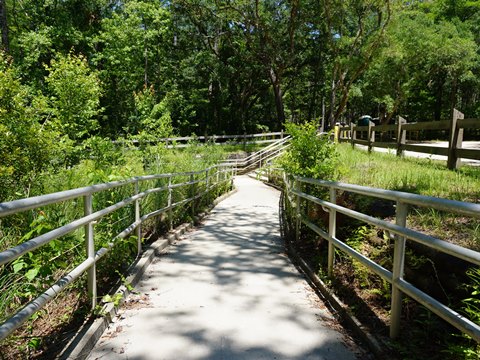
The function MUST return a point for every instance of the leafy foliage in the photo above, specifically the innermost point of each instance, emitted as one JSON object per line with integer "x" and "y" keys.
{"x": 24, "y": 143}
{"x": 75, "y": 96}
{"x": 152, "y": 119}
{"x": 310, "y": 154}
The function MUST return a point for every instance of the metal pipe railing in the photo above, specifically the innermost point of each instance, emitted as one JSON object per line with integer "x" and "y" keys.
{"x": 256, "y": 159}
{"x": 214, "y": 177}
{"x": 402, "y": 234}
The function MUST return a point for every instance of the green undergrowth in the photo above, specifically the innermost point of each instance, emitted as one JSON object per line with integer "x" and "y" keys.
{"x": 419, "y": 176}
{"x": 25, "y": 278}
{"x": 452, "y": 282}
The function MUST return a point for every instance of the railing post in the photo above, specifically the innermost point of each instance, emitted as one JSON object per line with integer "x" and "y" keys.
{"x": 192, "y": 194}
{"x": 332, "y": 228}
{"x": 298, "y": 213}
{"x": 401, "y": 135}
{"x": 353, "y": 134}
{"x": 137, "y": 218}
{"x": 90, "y": 247}
{"x": 455, "y": 141}
{"x": 371, "y": 135}
{"x": 170, "y": 212}
{"x": 207, "y": 185}
{"x": 398, "y": 268}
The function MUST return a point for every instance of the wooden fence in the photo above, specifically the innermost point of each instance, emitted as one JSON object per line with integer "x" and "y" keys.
{"x": 395, "y": 137}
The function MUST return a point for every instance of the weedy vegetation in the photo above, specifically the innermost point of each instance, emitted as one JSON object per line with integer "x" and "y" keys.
{"x": 366, "y": 294}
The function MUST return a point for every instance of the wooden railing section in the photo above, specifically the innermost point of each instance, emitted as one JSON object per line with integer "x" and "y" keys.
{"x": 396, "y": 134}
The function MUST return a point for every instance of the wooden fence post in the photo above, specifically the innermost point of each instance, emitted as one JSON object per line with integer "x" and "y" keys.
{"x": 401, "y": 135}
{"x": 353, "y": 134}
{"x": 455, "y": 141}
{"x": 371, "y": 136}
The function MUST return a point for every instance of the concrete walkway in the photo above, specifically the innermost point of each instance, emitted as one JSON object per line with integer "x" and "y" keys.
{"x": 226, "y": 291}
{"x": 444, "y": 144}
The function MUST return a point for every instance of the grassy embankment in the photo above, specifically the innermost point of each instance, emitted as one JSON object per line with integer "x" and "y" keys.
{"x": 28, "y": 276}
{"x": 419, "y": 176}
{"x": 451, "y": 282}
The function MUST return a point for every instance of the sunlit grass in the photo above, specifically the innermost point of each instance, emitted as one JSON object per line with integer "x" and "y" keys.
{"x": 420, "y": 176}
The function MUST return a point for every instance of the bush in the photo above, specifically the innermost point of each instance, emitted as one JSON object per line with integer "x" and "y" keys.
{"x": 25, "y": 148}
{"x": 310, "y": 154}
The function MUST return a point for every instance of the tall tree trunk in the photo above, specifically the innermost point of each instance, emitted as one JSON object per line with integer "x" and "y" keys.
{"x": 333, "y": 99}
{"x": 4, "y": 25}
{"x": 453, "y": 94}
{"x": 145, "y": 55}
{"x": 277, "y": 90}
{"x": 437, "y": 111}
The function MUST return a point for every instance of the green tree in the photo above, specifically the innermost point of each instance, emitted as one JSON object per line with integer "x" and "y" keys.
{"x": 75, "y": 96}
{"x": 26, "y": 147}
{"x": 356, "y": 33}
{"x": 421, "y": 69}
{"x": 133, "y": 44}
{"x": 153, "y": 119}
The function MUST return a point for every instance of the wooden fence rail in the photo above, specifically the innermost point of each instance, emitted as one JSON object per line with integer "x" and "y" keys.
{"x": 394, "y": 136}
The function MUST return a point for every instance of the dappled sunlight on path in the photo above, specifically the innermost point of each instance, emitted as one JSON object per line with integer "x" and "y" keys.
{"x": 226, "y": 291}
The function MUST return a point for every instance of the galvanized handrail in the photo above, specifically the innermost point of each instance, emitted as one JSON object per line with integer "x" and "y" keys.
{"x": 257, "y": 159}
{"x": 402, "y": 233}
{"x": 258, "y": 154}
{"x": 212, "y": 177}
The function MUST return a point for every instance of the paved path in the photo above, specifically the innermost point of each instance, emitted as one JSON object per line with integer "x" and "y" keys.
{"x": 444, "y": 144}
{"x": 226, "y": 291}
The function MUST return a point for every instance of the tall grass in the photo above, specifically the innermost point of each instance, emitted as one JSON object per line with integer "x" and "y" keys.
{"x": 26, "y": 277}
{"x": 420, "y": 176}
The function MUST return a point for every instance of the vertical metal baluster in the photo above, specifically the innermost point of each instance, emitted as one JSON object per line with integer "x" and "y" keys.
{"x": 137, "y": 218}
{"x": 192, "y": 194}
{"x": 207, "y": 187}
{"x": 90, "y": 247}
{"x": 398, "y": 267}
{"x": 332, "y": 229}
{"x": 298, "y": 214}
{"x": 170, "y": 213}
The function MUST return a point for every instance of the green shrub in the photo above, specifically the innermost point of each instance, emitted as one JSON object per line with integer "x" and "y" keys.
{"x": 310, "y": 154}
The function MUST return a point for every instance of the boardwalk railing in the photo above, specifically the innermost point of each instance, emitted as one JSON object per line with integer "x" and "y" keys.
{"x": 373, "y": 135}
{"x": 298, "y": 197}
{"x": 183, "y": 141}
{"x": 198, "y": 185}
{"x": 261, "y": 157}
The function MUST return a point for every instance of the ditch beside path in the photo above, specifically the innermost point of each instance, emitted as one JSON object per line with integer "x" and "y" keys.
{"x": 227, "y": 291}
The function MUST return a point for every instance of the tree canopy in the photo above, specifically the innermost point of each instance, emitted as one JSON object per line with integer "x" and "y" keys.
{"x": 147, "y": 69}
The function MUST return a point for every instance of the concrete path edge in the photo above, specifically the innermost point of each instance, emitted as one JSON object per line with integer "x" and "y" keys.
{"x": 374, "y": 344}
{"x": 86, "y": 337}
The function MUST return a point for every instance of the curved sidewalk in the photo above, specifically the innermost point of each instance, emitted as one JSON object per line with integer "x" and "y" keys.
{"x": 225, "y": 291}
